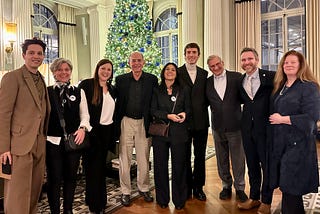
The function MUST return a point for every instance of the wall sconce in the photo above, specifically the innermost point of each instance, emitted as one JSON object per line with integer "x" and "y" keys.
{"x": 11, "y": 36}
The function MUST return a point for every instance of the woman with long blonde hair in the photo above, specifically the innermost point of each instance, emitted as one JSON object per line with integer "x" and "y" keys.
{"x": 295, "y": 101}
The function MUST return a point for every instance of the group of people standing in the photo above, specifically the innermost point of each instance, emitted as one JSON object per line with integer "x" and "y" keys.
{"x": 263, "y": 118}
{"x": 274, "y": 115}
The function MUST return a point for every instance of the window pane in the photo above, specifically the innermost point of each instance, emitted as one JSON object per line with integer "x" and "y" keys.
{"x": 45, "y": 27}
{"x": 294, "y": 4}
{"x": 265, "y": 56}
{"x": 275, "y": 26}
{"x": 295, "y": 32}
{"x": 175, "y": 49}
{"x": 276, "y": 40}
{"x": 158, "y": 25}
{"x": 167, "y": 24}
{"x": 264, "y": 7}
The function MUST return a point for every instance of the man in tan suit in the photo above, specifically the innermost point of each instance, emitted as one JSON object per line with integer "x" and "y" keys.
{"x": 24, "y": 113}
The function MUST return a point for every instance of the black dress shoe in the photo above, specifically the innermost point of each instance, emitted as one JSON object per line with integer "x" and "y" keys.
{"x": 146, "y": 196}
{"x": 163, "y": 206}
{"x": 199, "y": 194}
{"x": 179, "y": 207}
{"x": 125, "y": 200}
{"x": 241, "y": 196}
{"x": 225, "y": 194}
{"x": 67, "y": 212}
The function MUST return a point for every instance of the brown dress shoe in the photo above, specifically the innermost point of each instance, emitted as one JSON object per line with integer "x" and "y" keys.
{"x": 249, "y": 204}
{"x": 264, "y": 209}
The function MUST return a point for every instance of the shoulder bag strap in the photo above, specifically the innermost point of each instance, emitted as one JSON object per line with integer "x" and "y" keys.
{"x": 174, "y": 105}
{"x": 61, "y": 118}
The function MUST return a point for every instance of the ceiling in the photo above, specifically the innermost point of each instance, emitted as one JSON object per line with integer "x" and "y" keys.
{"x": 79, "y": 3}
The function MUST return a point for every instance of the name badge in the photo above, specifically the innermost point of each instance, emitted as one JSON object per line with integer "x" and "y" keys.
{"x": 72, "y": 98}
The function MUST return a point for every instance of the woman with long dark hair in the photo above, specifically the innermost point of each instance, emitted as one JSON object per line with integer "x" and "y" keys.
{"x": 100, "y": 95}
{"x": 167, "y": 95}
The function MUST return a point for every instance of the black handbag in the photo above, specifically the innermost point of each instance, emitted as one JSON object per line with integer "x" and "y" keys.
{"x": 69, "y": 139}
{"x": 159, "y": 127}
{"x": 70, "y": 144}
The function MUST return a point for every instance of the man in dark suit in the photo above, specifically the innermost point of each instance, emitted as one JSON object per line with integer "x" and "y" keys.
{"x": 194, "y": 77}
{"x": 224, "y": 98}
{"x": 24, "y": 116}
{"x": 133, "y": 117}
{"x": 255, "y": 91}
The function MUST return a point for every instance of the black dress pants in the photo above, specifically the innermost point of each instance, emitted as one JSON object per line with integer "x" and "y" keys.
{"x": 95, "y": 167}
{"x": 292, "y": 204}
{"x": 62, "y": 170}
{"x": 161, "y": 149}
{"x": 256, "y": 152}
{"x": 197, "y": 177}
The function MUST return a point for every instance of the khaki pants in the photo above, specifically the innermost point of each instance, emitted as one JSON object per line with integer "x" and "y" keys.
{"x": 22, "y": 191}
{"x": 133, "y": 135}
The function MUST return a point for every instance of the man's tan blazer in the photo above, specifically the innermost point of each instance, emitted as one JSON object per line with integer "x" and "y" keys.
{"x": 20, "y": 112}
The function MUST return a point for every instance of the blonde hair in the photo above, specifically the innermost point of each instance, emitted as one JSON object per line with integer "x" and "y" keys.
{"x": 304, "y": 73}
{"x": 56, "y": 64}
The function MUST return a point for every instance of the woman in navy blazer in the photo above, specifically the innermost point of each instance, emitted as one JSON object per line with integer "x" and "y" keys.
{"x": 165, "y": 95}
{"x": 295, "y": 111}
{"x": 101, "y": 104}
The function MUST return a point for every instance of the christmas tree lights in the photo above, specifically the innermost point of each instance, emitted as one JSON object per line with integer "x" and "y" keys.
{"x": 131, "y": 30}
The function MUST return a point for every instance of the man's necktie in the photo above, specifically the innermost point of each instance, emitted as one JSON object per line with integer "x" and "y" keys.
{"x": 249, "y": 87}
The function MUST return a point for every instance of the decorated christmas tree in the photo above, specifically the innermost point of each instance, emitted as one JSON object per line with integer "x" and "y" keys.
{"x": 131, "y": 30}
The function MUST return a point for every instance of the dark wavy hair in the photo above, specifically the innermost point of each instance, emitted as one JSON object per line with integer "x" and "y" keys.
{"x": 33, "y": 41}
{"x": 176, "y": 81}
{"x": 97, "y": 94}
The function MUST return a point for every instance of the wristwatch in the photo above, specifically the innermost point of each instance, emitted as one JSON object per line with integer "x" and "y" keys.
{"x": 83, "y": 127}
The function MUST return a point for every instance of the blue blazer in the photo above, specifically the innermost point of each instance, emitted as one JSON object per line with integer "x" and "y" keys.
{"x": 293, "y": 164}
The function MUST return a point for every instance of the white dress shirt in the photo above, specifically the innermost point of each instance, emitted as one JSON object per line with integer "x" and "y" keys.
{"x": 255, "y": 83}
{"x": 220, "y": 84}
{"x": 192, "y": 71}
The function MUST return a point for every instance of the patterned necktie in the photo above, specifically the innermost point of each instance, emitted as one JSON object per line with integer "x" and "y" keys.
{"x": 249, "y": 87}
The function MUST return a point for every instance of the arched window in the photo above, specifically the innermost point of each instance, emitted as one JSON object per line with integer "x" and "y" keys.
{"x": 45, "y": 26}
{"x": 166, "y": 31}
{"x": 282, "y": 29}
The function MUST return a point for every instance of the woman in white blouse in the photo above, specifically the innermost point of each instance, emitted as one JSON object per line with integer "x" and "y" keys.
{"x": 101, "y": 104}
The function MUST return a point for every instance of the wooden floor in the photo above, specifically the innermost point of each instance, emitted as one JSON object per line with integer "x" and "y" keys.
{"x": 213, "y": 205}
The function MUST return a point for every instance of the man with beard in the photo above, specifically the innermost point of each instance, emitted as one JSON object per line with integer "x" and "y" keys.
{"x": 255, "y": 91}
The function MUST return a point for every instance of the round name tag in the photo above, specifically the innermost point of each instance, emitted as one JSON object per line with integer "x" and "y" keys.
{"x": 173, "y": 98}
{"x": 72, "y": 98}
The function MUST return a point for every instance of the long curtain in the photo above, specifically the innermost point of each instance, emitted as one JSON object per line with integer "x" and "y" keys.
{"x": 67, "y": 37}
{"x": 313, "y": 36}
{"x": 248, "y": 27}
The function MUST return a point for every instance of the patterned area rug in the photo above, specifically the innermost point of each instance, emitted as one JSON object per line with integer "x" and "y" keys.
{"x": 113, "y": 191}
{"x": 311, "y": 204}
